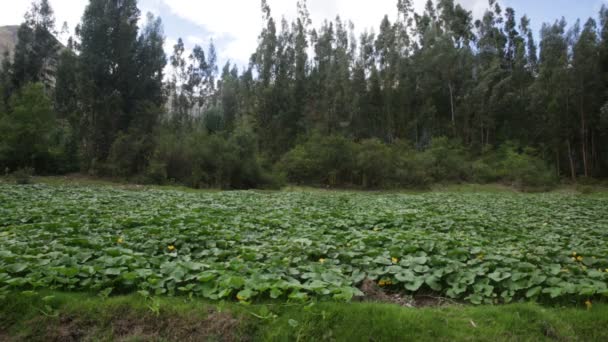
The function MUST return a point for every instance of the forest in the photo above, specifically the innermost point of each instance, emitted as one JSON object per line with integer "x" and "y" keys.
{"x": 432, "y": 97}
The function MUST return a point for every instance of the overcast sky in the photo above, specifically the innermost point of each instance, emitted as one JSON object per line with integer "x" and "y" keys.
{"x": 235, "y": 24}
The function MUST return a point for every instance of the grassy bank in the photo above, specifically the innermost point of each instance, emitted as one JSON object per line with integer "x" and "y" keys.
{"x": 71, "y": 317}
{"x": 84, "y": 180}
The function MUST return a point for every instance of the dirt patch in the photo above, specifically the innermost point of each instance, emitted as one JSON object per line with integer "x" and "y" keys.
{"x": 128, "y": 325}
{"x": 69, "y": 329}
{"x": 216, "y": 326}
{"x": 374, "y": 293}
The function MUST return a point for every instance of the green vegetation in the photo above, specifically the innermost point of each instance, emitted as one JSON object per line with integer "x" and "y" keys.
{"x": 337, "y": 161}
{"x": 251, "y": 246}
{"x": 434, "y": 97}
{"x": 48, "y": 316}
{"x": 433, "y": 100}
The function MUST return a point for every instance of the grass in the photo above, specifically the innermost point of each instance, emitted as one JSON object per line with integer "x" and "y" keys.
{"x": 61, "y": 316}
{"x": 84, "y": 180}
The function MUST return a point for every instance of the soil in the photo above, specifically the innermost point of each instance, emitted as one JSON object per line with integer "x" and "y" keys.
{"x": 127, "y": 325}
{"x": 374, "y": 293}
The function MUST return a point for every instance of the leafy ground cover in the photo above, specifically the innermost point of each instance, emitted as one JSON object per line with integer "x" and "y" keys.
{"x": 252, "y": 246}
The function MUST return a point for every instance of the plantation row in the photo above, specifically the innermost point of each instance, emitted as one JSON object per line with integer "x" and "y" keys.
{"x": 483, "y": 248}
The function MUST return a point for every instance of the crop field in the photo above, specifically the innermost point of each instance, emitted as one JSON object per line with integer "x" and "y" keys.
{"x": 248, "y": 246}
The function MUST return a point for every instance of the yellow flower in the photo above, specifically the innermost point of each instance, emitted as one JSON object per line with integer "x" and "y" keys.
{"x": 606, "y": 270}
{"x": 120, "y": 240}
{"x": 395, "y": 260}
{"x": 240, "y": 298}
{"x": 579, "y": 258}
{"x": 480, "y": 256}
{"x": 171, "y": 248}
{"x": 383, "y": 283}
{"x": 574, "y": 254}
{"x": 322, "y": 260}
{"x": 588, "y": 304}
{"x": 376, "y": 229}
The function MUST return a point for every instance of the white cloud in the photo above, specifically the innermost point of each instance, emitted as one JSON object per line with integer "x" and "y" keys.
{"x": 69, "y": 11}
{"x": 240, "y": 21}
{"x": 195, "y": 40}
{"x": 236, "y": 22}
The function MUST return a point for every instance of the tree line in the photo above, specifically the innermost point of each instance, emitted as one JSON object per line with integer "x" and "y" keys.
{"x": 430, "y": 97}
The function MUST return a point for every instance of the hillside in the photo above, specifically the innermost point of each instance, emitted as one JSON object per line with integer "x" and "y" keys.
{"x": 8, "y": 38}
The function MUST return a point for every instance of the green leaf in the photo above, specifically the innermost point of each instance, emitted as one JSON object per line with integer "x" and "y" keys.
{"x": 533, "y": 292}
{"x": 405, "y": 276}
{"x": 554, "y": 292}
{"x": 17, "y": 268}
{"x": 112, "y": 271}
{"x": 275, "y": 293}
{"x": 414, "y": 285}
{"x": 206, "y": 277}
{"x": 298, "y": 296}
{"x": 434, "y": 283}
{"x": 499, "y": 276}
{"x": 245, "y": 294}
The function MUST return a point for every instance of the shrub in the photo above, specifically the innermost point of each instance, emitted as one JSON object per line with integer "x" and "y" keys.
{"x": 373, "y": 163}
{"x": 201, "y": 160}
{"x": 446, "y": 160}
{"x": 326, "y": 160}
{"x": 514, "y": 165}
{"x": 23, "y": 176}
{"x": 27, "y": 131}
{"x": 410, "y": 168}
{"x": 524, "y": 169}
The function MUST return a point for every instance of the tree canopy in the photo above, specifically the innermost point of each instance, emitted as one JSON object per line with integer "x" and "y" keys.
{"x": 419, "y": 97}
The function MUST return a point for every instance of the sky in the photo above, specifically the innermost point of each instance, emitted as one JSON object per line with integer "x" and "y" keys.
{"x": 234, "y": 25}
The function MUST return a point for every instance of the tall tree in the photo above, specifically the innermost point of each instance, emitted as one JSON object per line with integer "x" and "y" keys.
{"x": 587, "y": 91}
{"x": 36, "y": 52}
{"x": 551, "y": 95}
{"x": 108, "y": 72}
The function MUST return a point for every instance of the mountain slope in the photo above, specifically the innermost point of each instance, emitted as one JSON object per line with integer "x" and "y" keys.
{"x": 8, "y": 38}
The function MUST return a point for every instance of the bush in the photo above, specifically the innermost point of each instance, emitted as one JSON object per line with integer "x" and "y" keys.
{"x": 410, "y": 167}
{"x": 156, "y": 173}
{"x": 446, "y": 161}
{"x": 23, "y": 176}
{"x": 335, "y": 160}
{"x": 328, "y": 160}
{"x": 30, "y": 132}
{"x": 202, "y": 160}
{"x": 373, "y": 163}
{"x": 514, "y": 165}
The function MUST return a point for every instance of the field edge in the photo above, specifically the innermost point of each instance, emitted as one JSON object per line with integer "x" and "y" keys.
{"x": 44, "y": 316}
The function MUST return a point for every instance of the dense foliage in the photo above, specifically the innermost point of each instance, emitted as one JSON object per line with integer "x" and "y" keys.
{"x": 482, "y": 247}
{"x": 429, "y": 97}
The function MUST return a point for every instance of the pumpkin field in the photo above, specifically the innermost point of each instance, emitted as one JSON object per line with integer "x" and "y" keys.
{"x": 475, "y": 247}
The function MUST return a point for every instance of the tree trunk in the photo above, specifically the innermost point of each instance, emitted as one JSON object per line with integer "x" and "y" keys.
{"x": 488, "y": 136}
{"x": 558, "y": 163}
{"x": 584, "y": 141}
{"x": 593, "y": 153}
{"x": 572, "y": 171}
{"x": 452, "y": 107}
